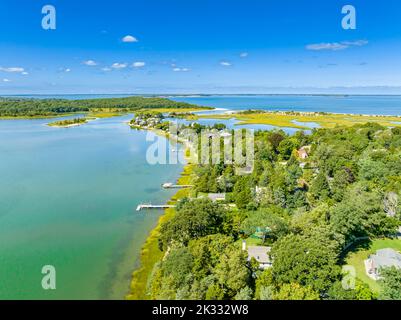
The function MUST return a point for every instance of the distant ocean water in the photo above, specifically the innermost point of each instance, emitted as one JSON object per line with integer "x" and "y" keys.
{"x": 381, "y": 105}
{"x": 355, "y": 104}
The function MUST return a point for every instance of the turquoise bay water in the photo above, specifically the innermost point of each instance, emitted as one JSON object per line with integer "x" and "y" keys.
{"x": 68, "y": 199}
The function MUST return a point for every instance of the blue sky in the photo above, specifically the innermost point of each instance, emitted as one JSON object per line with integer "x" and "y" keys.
{"x": 199, "y": 46}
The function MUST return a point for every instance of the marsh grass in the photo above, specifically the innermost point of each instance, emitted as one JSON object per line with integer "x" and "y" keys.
{"x": 285, "y": 119}
{"x": 150, "y": 253}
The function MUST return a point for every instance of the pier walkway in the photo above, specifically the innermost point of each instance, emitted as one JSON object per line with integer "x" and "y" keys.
{"x": 169, "y": 185}
{"x": 151, "y": 206}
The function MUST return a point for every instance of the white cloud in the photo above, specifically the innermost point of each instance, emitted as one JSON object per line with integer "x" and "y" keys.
{"x": 106, "y": 69}
{"x": 177, "y": 69}
{"x": 243, "y": 54}
{"x": 12, "y": 69}
{"x": 335, "y": 46}
{"x": 358, "y": 43}
{"x": 66, "y": 70}
{"x": 326, "y": 46}
{"x": 225, "y": 63}
{"x": 129, "y": 38}
{"x": 138, "y": 64}
{"x": 90, "y": 63}
{"x": 24, "y": 73}
{"x": 6, "y": 80}
{"x": 119, "y": 65}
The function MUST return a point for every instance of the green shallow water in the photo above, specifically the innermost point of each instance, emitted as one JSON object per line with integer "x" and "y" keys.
{"x": 68, "y": 199}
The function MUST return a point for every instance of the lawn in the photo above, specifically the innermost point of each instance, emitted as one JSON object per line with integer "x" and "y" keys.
{"x": 356, "y": 258}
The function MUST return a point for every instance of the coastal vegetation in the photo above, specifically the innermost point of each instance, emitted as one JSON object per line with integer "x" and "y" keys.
{"x": 151, "y": 253}
{"x": 68, "y": 122}
{"x": 180, "y": 112}
{"x": 27, "y": 107}
{"x": 303, "y": 120}
{"x": 310, "y": 199}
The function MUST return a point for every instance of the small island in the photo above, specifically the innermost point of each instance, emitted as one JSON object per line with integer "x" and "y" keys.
{"x": 68, "y": 123}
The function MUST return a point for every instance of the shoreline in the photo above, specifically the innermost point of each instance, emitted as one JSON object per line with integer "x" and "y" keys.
{"x": 66, "y": 126}
{"x": 150, "y": 253}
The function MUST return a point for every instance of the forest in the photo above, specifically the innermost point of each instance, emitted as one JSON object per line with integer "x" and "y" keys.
{"x": 27, "y": 107}
{"x": 311, "y": 212}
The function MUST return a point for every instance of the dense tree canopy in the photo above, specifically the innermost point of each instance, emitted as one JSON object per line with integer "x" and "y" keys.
{"x": 17, "y": 107}
{"x": 310, "y": 211}
{"x": 391, "y": 283}
{"x": 193, "y": 220}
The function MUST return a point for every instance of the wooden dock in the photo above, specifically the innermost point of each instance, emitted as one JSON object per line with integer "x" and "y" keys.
{"x": 169, "y": 185}
{"x": 152, "y": 206}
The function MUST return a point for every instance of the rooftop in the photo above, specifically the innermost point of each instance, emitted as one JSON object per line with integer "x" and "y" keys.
{"x": 216, "y": 196}
{"x": 260, "y": 253}
{"x": 386, "y": 258}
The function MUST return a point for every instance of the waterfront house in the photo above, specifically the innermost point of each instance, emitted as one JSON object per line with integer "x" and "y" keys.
{"x": 242, "y": 171}
{"x": 217, "y": 196}
{"x": 303, "y": 153}
{"x": 259, "y": 253}
{"x": 383, "y": 258}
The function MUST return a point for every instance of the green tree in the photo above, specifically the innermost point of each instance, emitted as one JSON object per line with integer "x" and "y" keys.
{"x": 361, "y": 214}
{"x": 320, "y": 188}
{"x": 267, "y": 222}
{"x": 286, "y": 147}
{"x": 215, "y": 292}
{"x": 242, "y": 193}
{"x": 360, "y": 292}
{"x": 293, "y": 291}
{"x": 390, "y": 283}
{"x": 232, "y": 272}
{"x": 307, "y": 260}
{"x": 244, "y": 294}
{"x": 195, "y": 219}
{"x": 341, "y": 180}
{"x": 206, "y": 252}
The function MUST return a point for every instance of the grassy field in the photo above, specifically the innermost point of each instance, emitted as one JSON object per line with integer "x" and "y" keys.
{"x": 357, "y": 256}
{"x": 285, "y": 119}
{"x": 151, "y": 253}
{"x": 104, "y": 114}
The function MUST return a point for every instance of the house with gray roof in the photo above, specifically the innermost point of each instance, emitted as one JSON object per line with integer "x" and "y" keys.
{"x": 217, "y": 196}
{"x": 383, "y": 258}
{"x": 260, "y": 254}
